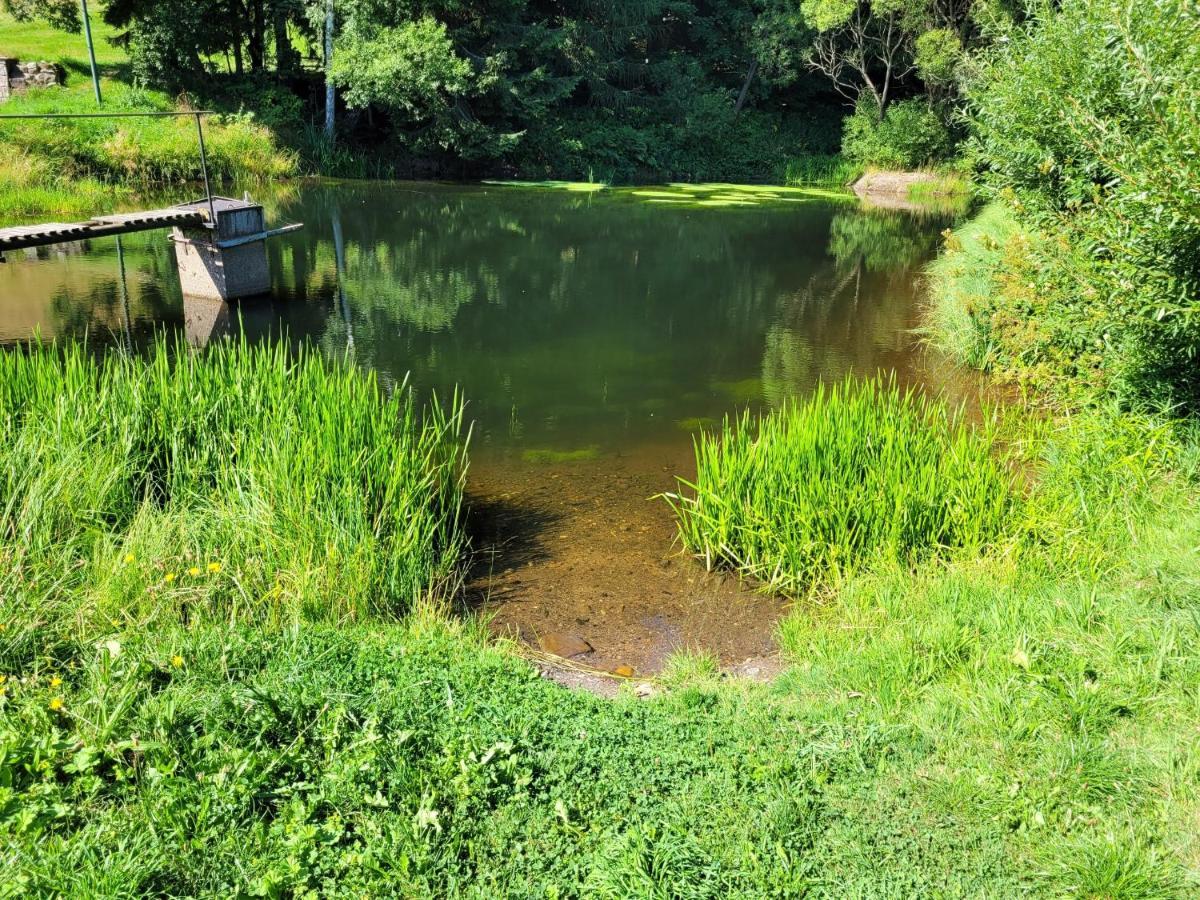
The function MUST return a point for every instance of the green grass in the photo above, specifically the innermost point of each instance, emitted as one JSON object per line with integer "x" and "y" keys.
{"x": 963, "y": 282}
{"x": 237, "y": 485}
{"x": 855, "y": 475}
{"x": 827, "y": 169}
{"x": 86, "y": 166}
{"x": 1012, "y": 723}
{"x": 36, "y": 41}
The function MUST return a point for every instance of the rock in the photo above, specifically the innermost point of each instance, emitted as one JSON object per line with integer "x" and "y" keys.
{"x": 564, "y": 645}
{"x": 645, "y": 689}
{"x": 624, "y": 671}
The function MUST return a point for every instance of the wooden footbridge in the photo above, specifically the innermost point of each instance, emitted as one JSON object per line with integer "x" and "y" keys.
{"x": 24, "y": 237}
{"x": 219, "y": 242}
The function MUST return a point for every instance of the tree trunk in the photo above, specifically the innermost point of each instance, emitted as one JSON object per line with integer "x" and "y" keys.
{"x": 741, "y": 100}
{"x": 236, "y": 16}
{"x": 284, "y": 60}
{"x": 257, "y": 35}
{"x": 329, "y": 94}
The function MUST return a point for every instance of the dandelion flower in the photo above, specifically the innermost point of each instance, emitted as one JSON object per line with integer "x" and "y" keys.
{"x": 169, "y": 577}
{"x": 129, "y": 557}
{"x": 55, "y": 681}
{"x": 214, "y": 567}
{"x": 193, "y": 571}
{"x": 177, "y": 661}
{"x": 57, "y": 704}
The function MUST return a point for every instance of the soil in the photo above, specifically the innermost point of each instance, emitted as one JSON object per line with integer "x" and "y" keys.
{"x": 890, "y": 189}
{"x": 583, "y": 550}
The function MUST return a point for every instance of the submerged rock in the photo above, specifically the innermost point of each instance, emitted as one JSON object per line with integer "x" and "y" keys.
{"x": 564, "y": 645}
{"x": 623, "y": 671}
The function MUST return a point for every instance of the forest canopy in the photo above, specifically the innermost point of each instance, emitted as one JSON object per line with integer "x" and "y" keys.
{"x": 605, "y": 89}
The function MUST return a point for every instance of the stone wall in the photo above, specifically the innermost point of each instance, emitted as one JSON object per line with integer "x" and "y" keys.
{"x": 17, "y": 76}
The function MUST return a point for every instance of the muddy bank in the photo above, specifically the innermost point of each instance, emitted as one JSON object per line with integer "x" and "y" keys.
{"x": 577, "y": 557}
{"x": 891, "y": 189}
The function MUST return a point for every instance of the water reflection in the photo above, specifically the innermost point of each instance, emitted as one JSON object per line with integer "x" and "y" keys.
{"x": 569, "y": 321}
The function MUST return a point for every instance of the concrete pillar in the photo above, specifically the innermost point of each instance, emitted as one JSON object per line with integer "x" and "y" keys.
{"x": 227, "y": 261}
{"x": 205, "y": 318}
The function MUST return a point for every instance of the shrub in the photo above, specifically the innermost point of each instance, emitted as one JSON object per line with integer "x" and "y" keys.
{"x": 859, "y": 473}
{"x": 1085, "y": 125}
{"x": 909, "y": 135}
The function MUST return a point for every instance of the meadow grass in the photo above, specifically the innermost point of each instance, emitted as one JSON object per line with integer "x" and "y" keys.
{"x": 820, "y": 168}
{"x": 86, "y": 166}
{"x": 1002, "y": 725}
{"x": 963, "y": 282}
{"x": 856, "y": 474}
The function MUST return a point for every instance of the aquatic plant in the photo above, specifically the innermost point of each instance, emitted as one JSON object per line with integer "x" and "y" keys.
{"x": 243, "y": 483}
{"x": 857, "y": 473}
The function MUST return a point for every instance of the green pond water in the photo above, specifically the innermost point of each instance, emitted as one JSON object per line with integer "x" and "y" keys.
{"x": 577, "y": 322}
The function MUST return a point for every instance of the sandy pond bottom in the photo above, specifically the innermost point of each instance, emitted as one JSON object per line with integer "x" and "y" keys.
{"x": 583, "y": 550}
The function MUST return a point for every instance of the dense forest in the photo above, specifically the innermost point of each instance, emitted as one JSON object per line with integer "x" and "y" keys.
{"x": 612, "y": 90}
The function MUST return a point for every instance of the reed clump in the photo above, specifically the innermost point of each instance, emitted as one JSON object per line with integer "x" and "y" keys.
{"x": 859, "y": 473}
{"x": 238, "y": 484}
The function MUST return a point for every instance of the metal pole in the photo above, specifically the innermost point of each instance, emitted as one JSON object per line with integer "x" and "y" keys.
{"x": 124, "y": 294}
{"x": 212, "y": 210}
{"x": 330, "y": 97}
{"x": 87, "y": 33}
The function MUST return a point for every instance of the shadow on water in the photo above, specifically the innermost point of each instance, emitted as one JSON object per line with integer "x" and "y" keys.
{"x": 505, "y": 536}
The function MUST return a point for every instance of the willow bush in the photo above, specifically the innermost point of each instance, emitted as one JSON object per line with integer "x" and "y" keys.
{"x": 859, "y": 473}
{"x": 240, "y": 483}
{"x": 1085, "y": 123}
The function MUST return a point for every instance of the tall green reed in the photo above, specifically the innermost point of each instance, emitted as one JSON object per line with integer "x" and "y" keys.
{"x": 859, "y": 473}
{"x": 241, "y": 483}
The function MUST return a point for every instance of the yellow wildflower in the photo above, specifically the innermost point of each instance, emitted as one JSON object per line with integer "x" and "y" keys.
{"x": 57, "y": 704}
{"x": 169, "y": 577}
{"x": 177, "y": 661}
{"x": 55, "y": 681}
{"x": 128, "y": 558}
{"x": 193, "y": 571}
{"x": 214, "y": 567}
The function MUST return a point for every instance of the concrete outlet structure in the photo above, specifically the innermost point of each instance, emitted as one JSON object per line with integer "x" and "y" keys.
{"x": 227, "y": 261}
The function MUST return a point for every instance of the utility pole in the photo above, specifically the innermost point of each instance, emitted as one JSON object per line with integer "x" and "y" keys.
{"x": 330, "y": 99}
{"x": 87, "y": 33}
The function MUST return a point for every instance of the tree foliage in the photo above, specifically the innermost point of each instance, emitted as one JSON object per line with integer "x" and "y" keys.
{"x": 1086, "y": 123}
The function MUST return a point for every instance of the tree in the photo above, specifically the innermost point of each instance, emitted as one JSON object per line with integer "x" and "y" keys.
{"x": 861, "y": 46}
{"x": 60, "y": 14}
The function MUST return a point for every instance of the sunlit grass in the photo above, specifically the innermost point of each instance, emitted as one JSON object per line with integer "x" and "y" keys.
{"x": 854, "y": 475}
{"x": 238, "y": 484}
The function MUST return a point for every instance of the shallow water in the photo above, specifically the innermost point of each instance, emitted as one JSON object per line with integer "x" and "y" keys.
{"x": 591, "y": 333}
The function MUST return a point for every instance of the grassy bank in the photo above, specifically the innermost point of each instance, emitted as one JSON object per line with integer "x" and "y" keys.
{"x": 223, "y": 674}
{"x": 76, "y": 167}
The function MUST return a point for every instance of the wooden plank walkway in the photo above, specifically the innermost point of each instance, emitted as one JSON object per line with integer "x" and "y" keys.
{"x": 23, "y": 236}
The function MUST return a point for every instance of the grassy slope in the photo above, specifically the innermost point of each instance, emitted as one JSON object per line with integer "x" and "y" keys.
{"x": 75, "y": 167}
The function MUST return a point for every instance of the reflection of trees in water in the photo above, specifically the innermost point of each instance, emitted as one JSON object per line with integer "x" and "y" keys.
{"x": 856, "y": 315}
{"x": 95, "y": 304}
{"x": 417, "y": 258}
{"x": 881, "y": 240}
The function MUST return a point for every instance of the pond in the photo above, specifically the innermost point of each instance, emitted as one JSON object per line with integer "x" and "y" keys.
{"x": 592, "y": 333}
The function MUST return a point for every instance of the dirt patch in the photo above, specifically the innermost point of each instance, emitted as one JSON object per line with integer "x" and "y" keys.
{"x": 580, "y": 549}
{"x": 891, "y": 189}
